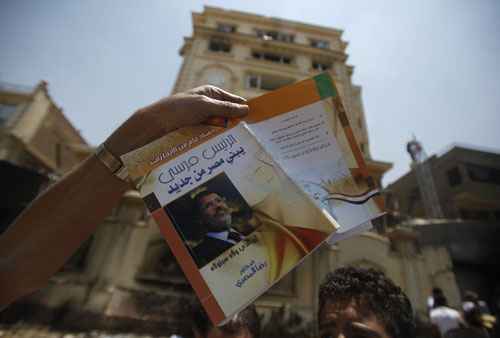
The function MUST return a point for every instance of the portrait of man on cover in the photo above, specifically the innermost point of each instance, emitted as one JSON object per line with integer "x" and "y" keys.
{"x": 210, "y": 218}
{"x": 214, "y": 217}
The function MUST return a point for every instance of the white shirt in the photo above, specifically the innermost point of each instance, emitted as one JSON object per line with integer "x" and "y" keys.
{"x": 445, "y": 318}
{"x": 223, "y": 236}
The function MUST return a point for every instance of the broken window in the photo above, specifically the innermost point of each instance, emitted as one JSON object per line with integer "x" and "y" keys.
{"x": 219, "y": 46}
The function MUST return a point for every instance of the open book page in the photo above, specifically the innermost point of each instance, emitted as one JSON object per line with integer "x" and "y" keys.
{"x": 328, "y": 167}
{"x": 302, "y": 142}
{"x": 233, "y": 218}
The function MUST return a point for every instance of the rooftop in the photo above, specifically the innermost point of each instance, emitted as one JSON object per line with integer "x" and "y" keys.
{"x": 263, "y": 18}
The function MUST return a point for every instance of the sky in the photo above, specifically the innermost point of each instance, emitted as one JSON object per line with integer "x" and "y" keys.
{"x": 427, "y": 68}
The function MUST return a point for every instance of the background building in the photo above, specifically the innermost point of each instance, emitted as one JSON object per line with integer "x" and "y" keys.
{"x": 250, "y": 54}
{"x": 467, "y": 185}
{"x": 125, "y": 278}
{"x": 37, "y": 144}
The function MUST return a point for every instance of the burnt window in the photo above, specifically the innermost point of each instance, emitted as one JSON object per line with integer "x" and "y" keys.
{"x": 272, "y": 57}
{"x": 483, "y": 174}
{"x": 226, "y": 28}
{"x": 321, "y": 66}
{"x": 266, "y": 82}
{"x": 253, "y": 81}
{"x": 219, "y": 46}
{"x": 274, "y": 35}
{"x": 319, "y": 43}
{"x": 454, "y": 177}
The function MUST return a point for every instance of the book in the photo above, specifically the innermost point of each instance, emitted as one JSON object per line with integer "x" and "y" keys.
{"x": 242, "y": 202}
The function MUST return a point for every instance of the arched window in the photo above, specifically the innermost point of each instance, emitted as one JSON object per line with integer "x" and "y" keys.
{"x": 216, "y": 75}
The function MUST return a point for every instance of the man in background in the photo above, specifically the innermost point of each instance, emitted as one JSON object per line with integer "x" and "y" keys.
{"x": 355, "y": 302}
{"x": 443, "y": 316}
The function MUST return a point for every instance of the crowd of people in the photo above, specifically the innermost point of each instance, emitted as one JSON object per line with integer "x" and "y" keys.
{"x": 473, "y": 320}
{"x": 353, "y": 302}
{"x": 361, "y": 303}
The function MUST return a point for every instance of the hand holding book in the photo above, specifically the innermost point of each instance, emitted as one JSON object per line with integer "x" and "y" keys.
{"x": 184, "y": 109}
{"x": 57, "y": 225}
{"x": 283, "y": 167}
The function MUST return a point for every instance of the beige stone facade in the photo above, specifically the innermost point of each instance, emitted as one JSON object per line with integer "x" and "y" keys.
{"x": 250, "y": 54}
{"x": 126, "y": 271}
{"x": 37, "y": 145}
{"x": 34, "y": 132}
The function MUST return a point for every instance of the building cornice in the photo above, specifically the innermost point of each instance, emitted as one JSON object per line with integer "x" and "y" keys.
{"x": 270, "y": 21}
{"x": 201, "y": 31}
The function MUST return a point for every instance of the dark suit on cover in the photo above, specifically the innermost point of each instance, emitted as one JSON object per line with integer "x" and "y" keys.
{"x": 209, "y": 249}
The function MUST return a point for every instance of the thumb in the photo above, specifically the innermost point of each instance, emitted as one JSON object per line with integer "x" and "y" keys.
{"x": 227, "y": 109}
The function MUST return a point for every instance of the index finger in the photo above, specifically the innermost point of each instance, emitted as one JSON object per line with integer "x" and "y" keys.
{"x": 222, "y": 95}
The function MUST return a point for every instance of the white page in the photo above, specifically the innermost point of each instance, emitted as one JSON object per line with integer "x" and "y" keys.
{"x": 303, "y": 143}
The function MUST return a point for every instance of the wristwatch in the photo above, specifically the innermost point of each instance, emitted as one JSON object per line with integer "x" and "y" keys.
{"x": 110, "y": 161}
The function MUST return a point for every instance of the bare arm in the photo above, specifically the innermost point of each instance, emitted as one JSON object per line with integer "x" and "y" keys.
{"x": 53, "y": 227}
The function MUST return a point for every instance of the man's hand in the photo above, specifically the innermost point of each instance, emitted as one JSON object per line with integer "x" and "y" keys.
{"x": 50, "y": 230}
{"x": 176, "y": 111}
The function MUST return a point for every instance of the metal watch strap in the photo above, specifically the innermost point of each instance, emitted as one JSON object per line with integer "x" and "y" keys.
{"x": 111, "y": 162}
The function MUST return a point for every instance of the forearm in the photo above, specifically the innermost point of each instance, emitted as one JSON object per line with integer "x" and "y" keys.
{"x": 51, "y": 229}
{"x": 57, "y": 222}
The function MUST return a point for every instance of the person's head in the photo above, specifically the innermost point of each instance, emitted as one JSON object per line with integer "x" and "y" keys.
{"x": 471, "y": 309}
{"x": 440, "y": 300}
{"x": 356, "y": 302}
{"x": 245, "y": 324}
{"x": 436, "y": 292}
{"x": 471, "y": 296}
{"x": 213, "y": 211}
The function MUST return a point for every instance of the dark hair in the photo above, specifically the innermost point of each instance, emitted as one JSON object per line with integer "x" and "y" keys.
{"x": 374, "y": 293}
{"x": 472, "y": 315}
{"x": 471, "y": 296}
{"x": 437, "y": 291}
{"x": 199, "y": 196}
{"x": 246, "y": 319}
{"x": 440, "y": 300}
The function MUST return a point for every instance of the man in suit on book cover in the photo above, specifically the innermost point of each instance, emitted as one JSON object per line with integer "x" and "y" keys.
{"x": 284, "y": 245}
{"x": 217, "y": 219}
